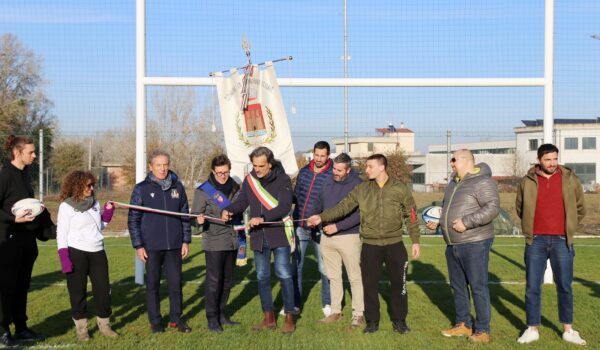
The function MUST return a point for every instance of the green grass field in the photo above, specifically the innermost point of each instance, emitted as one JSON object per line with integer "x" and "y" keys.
{"x": 430, "y": 305}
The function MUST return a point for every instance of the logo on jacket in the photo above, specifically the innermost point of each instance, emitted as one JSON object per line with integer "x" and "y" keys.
{"x": 218, "y": 198}
{"x": 174, "y": 193}
{"x": 152, "y": 194}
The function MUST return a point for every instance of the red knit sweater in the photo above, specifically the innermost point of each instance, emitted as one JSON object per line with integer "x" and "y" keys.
{"x": 550, "y": 209}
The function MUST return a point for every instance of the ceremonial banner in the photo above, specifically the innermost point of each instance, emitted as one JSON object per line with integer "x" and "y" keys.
{"x": 262, "y": 123}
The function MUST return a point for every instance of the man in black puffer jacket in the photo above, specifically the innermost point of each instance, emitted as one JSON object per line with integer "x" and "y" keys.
{"x": 471, "y": 202}
{"x": 161, "y": 239}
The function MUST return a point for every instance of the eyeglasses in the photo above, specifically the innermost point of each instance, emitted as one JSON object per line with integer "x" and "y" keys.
{"x": 221, "y": 173}
{"x": 90, "y": 185}
{"x": 452, "y": 160}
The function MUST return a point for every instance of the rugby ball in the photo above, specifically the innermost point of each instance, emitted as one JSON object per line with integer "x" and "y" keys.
{"x": 432, "y": 214}
{"x": 31, "y": 206}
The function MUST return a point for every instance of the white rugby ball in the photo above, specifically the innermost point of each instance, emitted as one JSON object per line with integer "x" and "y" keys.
{"x": 31, "y": 206}
{"x": 432, "y": 214}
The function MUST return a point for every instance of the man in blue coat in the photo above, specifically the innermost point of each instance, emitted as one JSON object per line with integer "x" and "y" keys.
{"x": 159, "y": 239}
{"x": 306, "y": 195}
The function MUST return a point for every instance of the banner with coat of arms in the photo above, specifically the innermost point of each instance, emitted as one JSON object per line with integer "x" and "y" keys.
{"x": 262, "y": 123}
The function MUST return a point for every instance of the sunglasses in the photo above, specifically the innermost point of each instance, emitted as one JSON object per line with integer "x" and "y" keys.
{"x": 90, "y": 185}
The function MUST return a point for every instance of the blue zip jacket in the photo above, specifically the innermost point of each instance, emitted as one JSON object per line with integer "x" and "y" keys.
{"x": 307, "y": 189}
{"x": 332, "y": 193}
{"x": 158, "y": 231}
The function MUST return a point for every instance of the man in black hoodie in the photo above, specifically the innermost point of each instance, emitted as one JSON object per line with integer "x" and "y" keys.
{"x": 341, "y": 243}
{"x": 18, "y": 248}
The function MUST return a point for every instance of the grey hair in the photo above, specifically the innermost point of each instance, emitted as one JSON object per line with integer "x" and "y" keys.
{"x": 158, "y": 153}
{"x": 343, "y": 158}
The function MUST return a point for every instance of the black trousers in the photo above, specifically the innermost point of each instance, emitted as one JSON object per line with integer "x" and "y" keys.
{"x": 171, "y": 260}
{"x": 395, "y": 257}
{"x": 17, "y": 256}
{"x": 94, "y": 265}
{"x": 219, "y": 281}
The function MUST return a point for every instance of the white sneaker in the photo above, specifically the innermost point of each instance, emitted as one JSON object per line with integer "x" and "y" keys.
{"x": 573, "y": 336}
{"x": 327, "y": 310}
{"x": 296, "y": 311}
{"x": 529, "y": 336}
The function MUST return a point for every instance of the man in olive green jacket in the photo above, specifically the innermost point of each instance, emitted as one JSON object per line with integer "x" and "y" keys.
{"x": 550, "y": 204}
{"x": 385, "y": 205}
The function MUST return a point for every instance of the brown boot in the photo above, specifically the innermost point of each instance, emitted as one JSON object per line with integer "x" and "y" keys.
{"x": 104, "y": 327}
{"x": 268, "y": 322}
{"x": 81, "y": 329}
{"x": 288, "y": 326}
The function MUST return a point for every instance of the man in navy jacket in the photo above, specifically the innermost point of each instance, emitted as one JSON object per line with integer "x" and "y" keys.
{"x": 306, "y": 195}
{"x": 161, "y": 239}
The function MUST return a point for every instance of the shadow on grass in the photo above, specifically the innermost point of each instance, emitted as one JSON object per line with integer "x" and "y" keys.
{"x": 310, "y": 275}
{"x": 196, "y": 302}
{"x": 506, "y": 295}
{"x": 439, "y": 295}
{"x": 510, "y": 260}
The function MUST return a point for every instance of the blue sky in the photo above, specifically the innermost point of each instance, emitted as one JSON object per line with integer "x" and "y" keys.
{"x": 88, "y": 49}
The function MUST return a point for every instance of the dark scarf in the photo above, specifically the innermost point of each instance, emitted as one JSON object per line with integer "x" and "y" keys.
{"x": 81, "y": 206}
{"x": 165, "y": 183}
{"x": 225, "y": 188}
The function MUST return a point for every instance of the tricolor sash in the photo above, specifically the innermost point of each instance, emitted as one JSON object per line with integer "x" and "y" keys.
{"x": 270, "y": 202}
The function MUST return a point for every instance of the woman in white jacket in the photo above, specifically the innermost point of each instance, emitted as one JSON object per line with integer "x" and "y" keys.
{"x": 81, "y": 250}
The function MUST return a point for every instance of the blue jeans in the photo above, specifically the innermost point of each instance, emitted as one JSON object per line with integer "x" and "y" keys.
{"x": 283, "y": 271}
{"x": 468, "y": 266}
{"x": 305, "y": 236}
{"x": 555, "y": 248}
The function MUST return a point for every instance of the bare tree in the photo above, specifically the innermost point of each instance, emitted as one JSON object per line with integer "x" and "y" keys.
{"x": 67, "y": 156}
{"x": 24, "y": 106}
{"x": 398, "y": 166}
{"x": 186, "y": 133}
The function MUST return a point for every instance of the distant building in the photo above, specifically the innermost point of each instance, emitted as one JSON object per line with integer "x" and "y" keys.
{"x": 575, "y": 138}
{"x": 390, "y": 139}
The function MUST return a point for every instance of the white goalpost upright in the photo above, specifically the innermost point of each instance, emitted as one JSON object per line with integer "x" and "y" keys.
{"x": 142, "y": 81}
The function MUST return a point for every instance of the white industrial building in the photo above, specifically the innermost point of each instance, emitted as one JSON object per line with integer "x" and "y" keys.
{"x": 575, "y": 138}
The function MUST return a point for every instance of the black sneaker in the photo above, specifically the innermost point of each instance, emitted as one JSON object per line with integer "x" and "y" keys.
{"x": 7, "y": 340}
{"x": 400, "y": 327}
{"x": 181, "y": 326}
{"x": 371, "y": 327}
{"x": 28, "y": 334}
{"x": 157, "y": 328}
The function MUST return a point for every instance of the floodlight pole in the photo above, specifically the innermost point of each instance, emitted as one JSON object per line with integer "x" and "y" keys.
{"x": 346, "y": 77}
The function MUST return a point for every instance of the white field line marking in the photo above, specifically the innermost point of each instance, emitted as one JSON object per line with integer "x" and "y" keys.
{"x": 55, "y": 346}
{"x": 247, "y": 281}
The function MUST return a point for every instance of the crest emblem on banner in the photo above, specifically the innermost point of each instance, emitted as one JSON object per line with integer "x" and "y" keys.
{"x": 257, "y": 130}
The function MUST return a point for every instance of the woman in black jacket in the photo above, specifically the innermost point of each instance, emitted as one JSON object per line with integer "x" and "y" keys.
{"x": 18, "y": 248}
